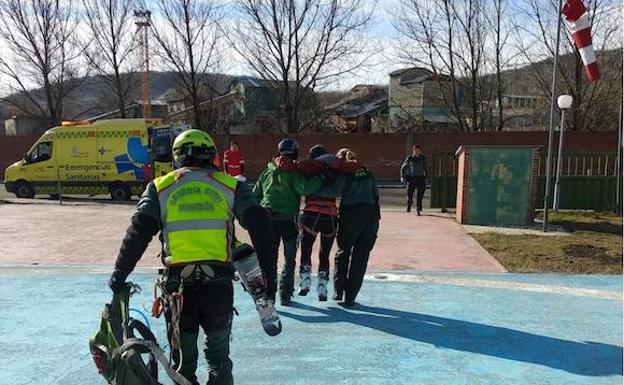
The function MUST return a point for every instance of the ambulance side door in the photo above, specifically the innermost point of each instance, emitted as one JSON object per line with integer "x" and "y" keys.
{"x": 40, "y": 163}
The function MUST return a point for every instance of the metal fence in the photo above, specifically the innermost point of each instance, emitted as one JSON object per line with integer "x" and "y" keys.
{"x": 588, "y": 181}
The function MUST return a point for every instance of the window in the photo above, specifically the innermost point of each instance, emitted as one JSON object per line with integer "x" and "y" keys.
{"x": 161, "y": 148}
{"x": 42, "y": 152}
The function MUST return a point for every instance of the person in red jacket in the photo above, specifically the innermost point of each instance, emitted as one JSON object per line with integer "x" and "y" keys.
{"x": 233, "y": 160}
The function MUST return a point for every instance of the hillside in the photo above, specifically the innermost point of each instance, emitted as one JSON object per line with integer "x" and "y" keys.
{"x": 88, "y": 98}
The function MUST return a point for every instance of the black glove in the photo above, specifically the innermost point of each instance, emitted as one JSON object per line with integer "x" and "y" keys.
{"x": 117, "y": 281}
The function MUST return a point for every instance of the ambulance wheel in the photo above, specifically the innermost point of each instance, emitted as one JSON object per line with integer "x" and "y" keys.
{"x": 23, "y": 189}
{"x": 120, "y": 192}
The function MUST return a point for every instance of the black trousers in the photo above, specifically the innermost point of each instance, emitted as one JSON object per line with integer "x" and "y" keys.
{"x": 286, "y": 232}
{"x": 418, "y": 184}
{"x": 210, "y": 307}
{"x": 313, "y": 223}
{"x": 357, "y": 233}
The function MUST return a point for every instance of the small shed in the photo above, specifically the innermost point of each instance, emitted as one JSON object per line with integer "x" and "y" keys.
{"x": 497, "y": 185}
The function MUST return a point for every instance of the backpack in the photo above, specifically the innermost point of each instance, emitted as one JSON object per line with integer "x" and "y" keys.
{"x": 119, "y": 345}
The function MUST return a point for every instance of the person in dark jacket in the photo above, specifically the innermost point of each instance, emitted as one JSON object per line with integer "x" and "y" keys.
{"x": 357, "y": 231}
{"x": 414, "y": 175}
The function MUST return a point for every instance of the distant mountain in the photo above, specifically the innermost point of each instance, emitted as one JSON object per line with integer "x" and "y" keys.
{"x": 91, "y": 97}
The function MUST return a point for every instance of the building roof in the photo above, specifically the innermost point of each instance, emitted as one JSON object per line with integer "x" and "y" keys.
{"x": 363, "y": 99}
{"x": 415, "y": 75}
{"x": 354, "y": 111}
{"x": 418, "y": 71}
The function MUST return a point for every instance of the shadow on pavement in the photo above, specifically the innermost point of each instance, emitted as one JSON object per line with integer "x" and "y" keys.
{"x": 582, "y": 358}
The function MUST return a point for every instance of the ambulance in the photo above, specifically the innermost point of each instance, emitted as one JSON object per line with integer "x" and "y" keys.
{"x": 115, "y": 156}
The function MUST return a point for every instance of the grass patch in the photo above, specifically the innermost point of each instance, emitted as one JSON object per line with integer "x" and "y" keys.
{"x": 599, "y": 222}
{"x": 593, "y": 247}
{"x": 581, "y": 252}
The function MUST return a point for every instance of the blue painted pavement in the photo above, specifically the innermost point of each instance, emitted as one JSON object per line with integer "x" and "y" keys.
{"x": 402, "y": 333}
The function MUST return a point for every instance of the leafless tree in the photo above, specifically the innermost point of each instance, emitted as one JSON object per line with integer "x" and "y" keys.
{"x": 188, "y": 44}
{"x": 448, "y": 37}
{"x": 109, "y": 46}
{"x": 501, "y": 30}
{"x": 39, "y": 57}
{"x": 593, "y": 107}
{"x": 298, "y": 45}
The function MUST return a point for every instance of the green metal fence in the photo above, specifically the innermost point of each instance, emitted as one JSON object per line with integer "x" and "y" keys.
{"x": 582, "y": 192}
{"x": 443, "y": 180}
{"x": 588, "y": 181}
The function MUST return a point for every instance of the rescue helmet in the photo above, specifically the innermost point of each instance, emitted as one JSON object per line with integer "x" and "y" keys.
{"x": 193, "y": 148}
{"x": 317, "y": 150}
{"x": 288, "y": 147}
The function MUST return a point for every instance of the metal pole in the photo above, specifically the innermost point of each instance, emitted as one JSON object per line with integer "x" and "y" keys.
{"x": 559, "y": 163}
{"x": 58, "y": 185}
{"x": 618, "y": 164}
{"x": 552, "y": 120}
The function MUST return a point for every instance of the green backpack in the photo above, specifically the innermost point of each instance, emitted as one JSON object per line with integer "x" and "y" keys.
{"x": 119, "y": 344}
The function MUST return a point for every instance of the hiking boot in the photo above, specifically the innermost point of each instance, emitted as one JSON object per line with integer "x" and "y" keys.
{"x": 321, "y": 289}
{"x": 306, "y": 280}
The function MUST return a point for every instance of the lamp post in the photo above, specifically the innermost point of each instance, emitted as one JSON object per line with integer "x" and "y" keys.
{"x": 564, "y": 102}
{"x": 552, "y": 118}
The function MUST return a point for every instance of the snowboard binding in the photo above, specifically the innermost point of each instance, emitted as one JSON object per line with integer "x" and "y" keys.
{"x": 246, "y": 264}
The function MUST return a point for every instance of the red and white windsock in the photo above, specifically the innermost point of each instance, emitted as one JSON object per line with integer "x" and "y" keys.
{"x": 580, "y": 27}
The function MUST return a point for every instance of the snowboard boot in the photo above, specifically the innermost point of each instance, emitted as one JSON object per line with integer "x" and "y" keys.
{"x": 247, "y": 267}
{"x": 321, "y": 289}
{"x": 306, "y": 280}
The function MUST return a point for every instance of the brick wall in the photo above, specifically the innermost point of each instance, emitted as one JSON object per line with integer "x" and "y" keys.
{"x": 384, "y": 153}
{"x": 13, "y": 148}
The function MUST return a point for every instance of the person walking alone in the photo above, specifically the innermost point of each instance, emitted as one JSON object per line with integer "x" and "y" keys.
{"x": 414, "y": 175}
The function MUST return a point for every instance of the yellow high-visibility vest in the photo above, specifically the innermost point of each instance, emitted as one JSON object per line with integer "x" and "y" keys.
{"x": 196, "y": 214}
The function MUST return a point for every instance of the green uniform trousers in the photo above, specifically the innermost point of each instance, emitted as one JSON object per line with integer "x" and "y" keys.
{"x": 210, "y": 307}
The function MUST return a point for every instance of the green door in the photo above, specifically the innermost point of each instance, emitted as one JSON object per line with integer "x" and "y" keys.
{"x": 500, "y": 186}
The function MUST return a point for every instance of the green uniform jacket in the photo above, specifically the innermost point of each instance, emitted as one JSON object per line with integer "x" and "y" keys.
{"x": 149, "y": 205}
{"x": 281, "y": 191}
{"x": 147, "y": 222}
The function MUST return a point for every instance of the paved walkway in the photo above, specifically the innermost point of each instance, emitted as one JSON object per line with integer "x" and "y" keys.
{"x": 444, "y": 328}
{"x": 42, "y": 232}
